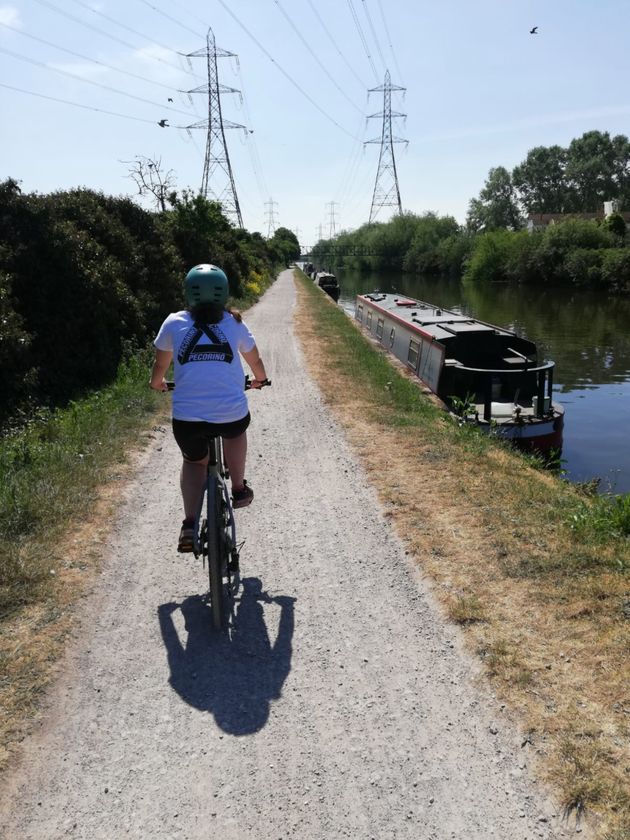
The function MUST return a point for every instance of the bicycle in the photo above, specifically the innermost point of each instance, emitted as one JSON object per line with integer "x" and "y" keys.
{"x": 215, "y": 534}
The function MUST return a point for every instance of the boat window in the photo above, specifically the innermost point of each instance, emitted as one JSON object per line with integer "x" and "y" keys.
{"x": 359, "y": 313}
{"x": 368, "y": 322}
{"x": 392, "y": 335}
{"x": 379, "y": 328}
{"x": 412, "y": 355}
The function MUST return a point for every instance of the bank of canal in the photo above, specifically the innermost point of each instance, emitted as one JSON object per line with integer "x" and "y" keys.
{"x": 586, "y": 333}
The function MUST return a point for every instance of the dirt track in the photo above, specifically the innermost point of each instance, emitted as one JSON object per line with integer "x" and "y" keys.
{"x": 341, "y": 706}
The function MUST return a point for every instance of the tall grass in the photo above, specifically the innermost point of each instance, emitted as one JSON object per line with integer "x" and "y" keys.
{"x": 50, "y": 472}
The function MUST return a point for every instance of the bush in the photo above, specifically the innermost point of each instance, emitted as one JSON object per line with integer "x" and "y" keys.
{"x": 616, "y": 269}
{"x": 490, "y": 256}
{"x": 86, "y": 279}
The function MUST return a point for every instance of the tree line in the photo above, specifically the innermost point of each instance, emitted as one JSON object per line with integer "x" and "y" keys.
{"x": 86, "y": 280}
{"x": 594, "y": 168}
{"x": 492, "y": 246}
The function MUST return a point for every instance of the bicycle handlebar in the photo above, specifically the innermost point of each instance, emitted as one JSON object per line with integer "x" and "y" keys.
{"x": 170, "y": 384}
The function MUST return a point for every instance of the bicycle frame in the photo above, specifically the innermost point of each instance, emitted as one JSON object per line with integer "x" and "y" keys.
{"x": 215, "y": 536}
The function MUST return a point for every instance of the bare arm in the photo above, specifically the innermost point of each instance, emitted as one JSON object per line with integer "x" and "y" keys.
{"x": 161, "y": 362}
{"x": 252, "y": 357}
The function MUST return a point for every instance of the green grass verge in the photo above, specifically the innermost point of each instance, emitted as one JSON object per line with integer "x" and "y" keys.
{"x": 398, "y": 402}
{"x": 51, "y": 470}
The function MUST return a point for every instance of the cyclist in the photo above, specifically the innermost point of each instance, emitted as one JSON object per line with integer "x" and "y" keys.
{"x": 204, "y": 342}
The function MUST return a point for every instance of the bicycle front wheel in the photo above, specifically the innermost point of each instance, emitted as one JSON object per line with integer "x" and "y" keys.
{"x": 216, "y": 552}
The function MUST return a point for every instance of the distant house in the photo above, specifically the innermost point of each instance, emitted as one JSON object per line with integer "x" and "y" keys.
{"x": 540, "y": 221}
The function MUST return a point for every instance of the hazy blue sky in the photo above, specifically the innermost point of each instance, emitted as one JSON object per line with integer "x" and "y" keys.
{"x": 481, "y": 91}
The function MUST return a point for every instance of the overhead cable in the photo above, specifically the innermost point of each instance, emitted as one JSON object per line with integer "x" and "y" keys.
{"x": 373, "y": 30}
{"x": 108, "y": 35}
{"x": 79, "y": 105}
{"x": 91, "y": 82}
{"x": 87, "y": 58}
{"x": 389, "y": 41}
{"x": 333, "y": 42}
{"x": 168, "y": 17}
{"x": 284, "y": 72}
{"x": 252, "y": 147}
{"x": 314, "y": 55}
{"x": 362, "y": 37}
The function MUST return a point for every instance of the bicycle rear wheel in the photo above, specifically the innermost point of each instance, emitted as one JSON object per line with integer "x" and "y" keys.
{"x": 216, "y": 551}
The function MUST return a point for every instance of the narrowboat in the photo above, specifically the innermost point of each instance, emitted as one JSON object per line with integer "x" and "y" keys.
{"x": 328, "y": 282}
{"x": 487, "y": 374}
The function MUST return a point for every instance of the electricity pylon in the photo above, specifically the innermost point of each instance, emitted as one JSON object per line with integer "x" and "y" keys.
{"x": 332, "y": 230}
{"x": 386, "y": 190}
{"x": 217, "y": 181}
{"x": 271, "y": 217}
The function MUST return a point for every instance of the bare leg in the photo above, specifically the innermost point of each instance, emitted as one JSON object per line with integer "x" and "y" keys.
{"x": 235, "y": 452}
{"x": 191, "y": 481}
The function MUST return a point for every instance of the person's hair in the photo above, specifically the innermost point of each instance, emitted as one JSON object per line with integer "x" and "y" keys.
{"x": 212, "y": 313}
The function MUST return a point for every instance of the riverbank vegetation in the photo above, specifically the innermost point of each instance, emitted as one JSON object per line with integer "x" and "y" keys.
{"x": 579, "y": 246}
{"x": 534, "y": 570}
{"x": 86, "y": 280}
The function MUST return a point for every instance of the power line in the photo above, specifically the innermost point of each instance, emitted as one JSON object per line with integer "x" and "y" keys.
{"x": 91, "y": 82}
{"x": 284, "y": 72}
{"x": 334, "y": 43}
{"x": 316, "y": 58}
{"x": 108, "y": 35}
{"x": 389, "y": 41}
{"x": 78, "y": 105}
{"x": 362, "y": 36}
{"x": 168, "y": 17}
{"x": 252, "y": 147}
{"x": 86, "y": 58}
{"x": 373, "y": 30}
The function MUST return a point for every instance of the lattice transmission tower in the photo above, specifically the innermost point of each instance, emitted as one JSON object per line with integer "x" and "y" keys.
{"x": 217, "y": 181}
{"x": 386, "y": 190}
{"x": 272, "y": 222}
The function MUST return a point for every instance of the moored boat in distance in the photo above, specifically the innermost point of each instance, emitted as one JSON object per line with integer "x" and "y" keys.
{"x": 328, "y": 282}
{"x": 485, "y": 373}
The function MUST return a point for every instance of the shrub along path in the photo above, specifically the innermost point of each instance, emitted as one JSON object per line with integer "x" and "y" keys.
{"x": 342, "y": 704}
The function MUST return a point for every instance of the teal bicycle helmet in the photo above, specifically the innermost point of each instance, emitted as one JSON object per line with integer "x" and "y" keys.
{"x": 206, "y": 283}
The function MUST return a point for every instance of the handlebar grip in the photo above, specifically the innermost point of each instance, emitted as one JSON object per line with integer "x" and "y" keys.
{"x": 263, "y": 384}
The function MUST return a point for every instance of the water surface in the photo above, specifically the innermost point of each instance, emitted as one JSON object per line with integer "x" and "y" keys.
{"x": 587, "y": 335}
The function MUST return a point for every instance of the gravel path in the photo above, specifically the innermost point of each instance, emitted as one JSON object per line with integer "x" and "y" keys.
{"x": 341, "y": 706}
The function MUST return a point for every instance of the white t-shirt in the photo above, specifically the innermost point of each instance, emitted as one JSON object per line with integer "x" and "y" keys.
{"x": 209, "y": 376}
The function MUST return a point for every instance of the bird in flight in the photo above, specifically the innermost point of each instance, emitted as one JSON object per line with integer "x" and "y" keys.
{"x": 170, "y": 99}
{"x": 164, "y": 124}
{"x": 533, "y": 31}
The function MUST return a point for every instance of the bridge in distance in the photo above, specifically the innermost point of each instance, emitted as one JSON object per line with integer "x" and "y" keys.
{"x": 332, "y": 251}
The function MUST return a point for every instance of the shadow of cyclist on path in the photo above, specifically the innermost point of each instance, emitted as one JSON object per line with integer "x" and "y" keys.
{"x": 233, "y": 678}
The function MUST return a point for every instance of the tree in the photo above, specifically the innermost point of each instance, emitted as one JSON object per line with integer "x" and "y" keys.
{"x": 590, "y": 170}
{"x": 615, "y": 223}
{"x": 497, "y": 207}
{"x": 621, "y": 169}
{"x": 540, "y": 181}
{"x": 284, "y": 245}
{"x": 149, "y": 178}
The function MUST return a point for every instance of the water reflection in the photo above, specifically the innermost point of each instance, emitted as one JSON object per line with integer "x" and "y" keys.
{"x": 586, "y": 333}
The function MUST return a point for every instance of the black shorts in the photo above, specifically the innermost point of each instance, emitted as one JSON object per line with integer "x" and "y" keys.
{"x": 192, "y": 435}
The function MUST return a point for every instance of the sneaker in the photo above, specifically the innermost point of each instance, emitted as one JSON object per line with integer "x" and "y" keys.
{"x": 186, "y": 536}
{"x": 243, "y": 497}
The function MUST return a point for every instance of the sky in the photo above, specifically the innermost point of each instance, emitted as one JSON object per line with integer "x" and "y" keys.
{"x": 480, "y": 91}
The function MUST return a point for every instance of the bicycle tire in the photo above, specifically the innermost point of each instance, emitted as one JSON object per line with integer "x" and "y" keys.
{"x": 215, "y": 552}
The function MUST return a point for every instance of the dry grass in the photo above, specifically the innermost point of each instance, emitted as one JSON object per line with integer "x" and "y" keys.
{"x": 543, "y": 605}
{"x": 33, "y": 636}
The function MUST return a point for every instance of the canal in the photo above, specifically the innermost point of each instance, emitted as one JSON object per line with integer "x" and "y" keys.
{"x": 587, "y": 335}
